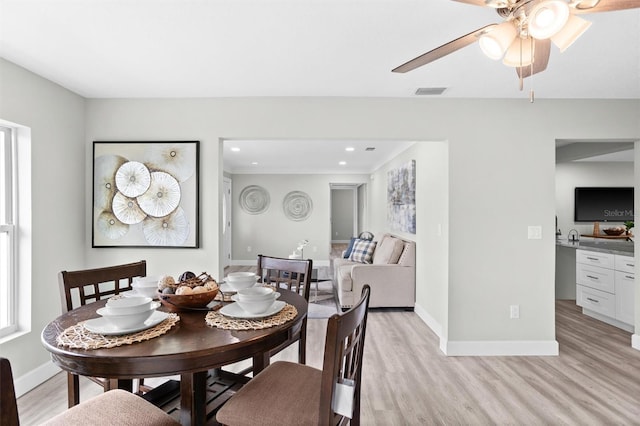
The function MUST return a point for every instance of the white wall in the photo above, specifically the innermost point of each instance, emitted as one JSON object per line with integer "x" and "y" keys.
{"x": 58, "y": 203}
{"x": 271, "y": 232}
{"x": 582, "y": 173}
{"x": 501, "y": 175}
{"x": 432, "y": 207}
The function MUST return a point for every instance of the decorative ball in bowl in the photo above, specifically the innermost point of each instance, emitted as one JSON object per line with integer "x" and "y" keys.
{"x": 613, "y": 231}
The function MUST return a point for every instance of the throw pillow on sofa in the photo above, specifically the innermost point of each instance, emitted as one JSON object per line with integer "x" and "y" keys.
{"x": 347, "y": 252}
{"x": 388, "y": 251}
{"x": 362, "y": 251}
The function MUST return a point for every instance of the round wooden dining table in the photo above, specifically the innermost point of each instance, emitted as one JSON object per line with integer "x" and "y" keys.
{"x": 190, "y": 348}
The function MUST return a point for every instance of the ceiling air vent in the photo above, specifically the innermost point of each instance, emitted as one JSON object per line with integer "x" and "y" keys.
{"x": 370, "y": 148}
{"x": 430, "y": 91}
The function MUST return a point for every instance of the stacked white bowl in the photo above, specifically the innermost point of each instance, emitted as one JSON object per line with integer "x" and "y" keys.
{"x": 256, "y": 300}
{"x": 128, "y": 312}
{"x": 146, "y": 286}
{"x": 239, "y": 280}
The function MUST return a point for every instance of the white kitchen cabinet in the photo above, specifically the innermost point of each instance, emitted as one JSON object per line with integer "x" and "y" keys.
{"x": 605, "y": 287}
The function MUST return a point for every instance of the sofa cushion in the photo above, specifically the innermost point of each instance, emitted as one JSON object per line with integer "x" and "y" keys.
{"x": 347, "y": 252}
{"x": 388, "y": 251}
{"x": 362, "y": 251}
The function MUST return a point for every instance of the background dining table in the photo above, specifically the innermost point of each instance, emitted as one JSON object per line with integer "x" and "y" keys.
{"x": 191, "y": 348}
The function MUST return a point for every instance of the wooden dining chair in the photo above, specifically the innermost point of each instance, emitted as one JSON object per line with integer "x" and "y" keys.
{"x": 292, "y": 275}
{"x": 8, "y": 406}
{"x": 90, "y": 285}
{"x": 286, "y": 393}
{"x": 116, "y": 407}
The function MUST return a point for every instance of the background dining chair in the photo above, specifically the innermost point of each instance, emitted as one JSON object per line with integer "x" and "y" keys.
{"x": 77, "y": 288}
{"x": 295, "y": 394}
{"x": 116, "y": 407}
{"x": 293, "y": 275}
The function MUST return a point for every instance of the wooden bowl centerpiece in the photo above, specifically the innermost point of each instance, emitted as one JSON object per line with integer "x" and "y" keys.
{"x": 614, "y": 231}
{"x": 190, "y": 293}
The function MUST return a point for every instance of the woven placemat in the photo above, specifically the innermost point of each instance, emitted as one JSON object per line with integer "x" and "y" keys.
{"x": 78, "y": 337}
{"x": 216, "y": 319}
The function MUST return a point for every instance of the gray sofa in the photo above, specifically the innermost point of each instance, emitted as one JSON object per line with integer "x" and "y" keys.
{"x": 391, "y": 275}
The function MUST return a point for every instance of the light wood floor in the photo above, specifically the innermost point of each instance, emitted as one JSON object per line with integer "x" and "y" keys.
{"x": 407, "y": 380}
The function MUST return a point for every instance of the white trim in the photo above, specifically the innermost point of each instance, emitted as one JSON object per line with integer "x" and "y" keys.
{"x": 611, "y": 321}
{"x": 502, "y": 348}
{"x": 635, "y": 341}
{"x": 428, "y": 320}
{"x": 35, "y": 378}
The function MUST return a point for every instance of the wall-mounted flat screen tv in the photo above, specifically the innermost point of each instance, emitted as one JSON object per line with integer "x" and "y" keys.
{"x": 597, "y": 204}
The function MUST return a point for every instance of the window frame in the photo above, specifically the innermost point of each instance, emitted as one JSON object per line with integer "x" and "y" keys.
{"x": 8, "y": 226}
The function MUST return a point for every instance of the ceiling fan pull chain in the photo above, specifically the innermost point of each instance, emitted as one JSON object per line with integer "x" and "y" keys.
{"x": 533, "y": 59}
{"x": 521, "y": 77}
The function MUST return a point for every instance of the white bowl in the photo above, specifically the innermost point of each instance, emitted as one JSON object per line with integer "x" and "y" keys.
{"x": 253, "y": 294}
{"x": 125, "y": 321}
{"x": 128, "y": 305}
{"x": 144, "y": 291}
{"x": 240, "y": 280}
{"x": 145, "y": 282}
{"x": 241, "y": 276}
{"x": 254, "y": 307}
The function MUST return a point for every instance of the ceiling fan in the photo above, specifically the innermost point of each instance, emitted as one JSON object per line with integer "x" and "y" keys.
{"x": 523, "y": 39}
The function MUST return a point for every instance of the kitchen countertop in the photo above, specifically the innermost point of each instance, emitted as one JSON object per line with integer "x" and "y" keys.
{"x": 602, "y": 245}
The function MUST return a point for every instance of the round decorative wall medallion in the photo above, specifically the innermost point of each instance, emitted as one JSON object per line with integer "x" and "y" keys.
{"x": 254, "y": 199}
{"x": 297, "y": 205}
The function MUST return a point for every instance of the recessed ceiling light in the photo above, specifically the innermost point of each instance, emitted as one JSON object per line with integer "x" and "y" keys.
{"x": 343, "y": 163}
{"x": 349, "y": 149}
{"x": 235, "y": 149}
{"x": 254, "y": 163}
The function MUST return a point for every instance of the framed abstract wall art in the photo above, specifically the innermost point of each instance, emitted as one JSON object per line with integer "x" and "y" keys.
{"x": 401, "y": 198}
{"x": 145, "y": 194}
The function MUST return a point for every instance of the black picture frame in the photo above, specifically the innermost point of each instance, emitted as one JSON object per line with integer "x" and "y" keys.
{"x": 146, "y": 194}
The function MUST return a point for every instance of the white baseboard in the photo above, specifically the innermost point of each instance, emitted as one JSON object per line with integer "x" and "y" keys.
{"x": 635, "y": 341}
{"x": 428, "y": 320}
{"x": 35, "y": 378}
{"x": 502, "y": 348}
{"x": 611, "y": 321}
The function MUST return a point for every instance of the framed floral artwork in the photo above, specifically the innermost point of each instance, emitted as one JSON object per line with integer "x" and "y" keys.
{"x": 145, "y": 194}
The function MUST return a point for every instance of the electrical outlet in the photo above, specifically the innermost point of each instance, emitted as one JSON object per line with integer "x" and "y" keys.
{"x": 315, "y": 249}
{"x": 514, "y": 311}
{"x": 534, "y": 232}
{"x": 249, "y": 249}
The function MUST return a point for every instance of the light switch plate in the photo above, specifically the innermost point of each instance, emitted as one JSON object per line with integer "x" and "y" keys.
{"x": 535, "y": 232}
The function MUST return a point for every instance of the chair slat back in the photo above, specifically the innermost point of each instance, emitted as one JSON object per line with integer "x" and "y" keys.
{"x": 95, "y": 284}
{"x": 344, "y": 348}
{"x": 8, "y": 405}
{"x": 294, "y": 274}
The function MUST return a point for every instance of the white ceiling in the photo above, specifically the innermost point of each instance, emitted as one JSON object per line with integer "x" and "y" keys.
{"x": 238, "y": 48}
{"x": 309, "y": 156}
{"x": 222, "y": 48}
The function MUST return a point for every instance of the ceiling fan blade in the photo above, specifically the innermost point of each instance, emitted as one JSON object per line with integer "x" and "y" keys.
{"x": 542, "y": 49}
{"x": 443, "y": 50}
{"x": 593, "y": 6}
{"x": 473, "y": 2}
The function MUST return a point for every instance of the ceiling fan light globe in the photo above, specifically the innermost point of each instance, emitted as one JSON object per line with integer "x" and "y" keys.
{"x": 573, "y": 29}
{"x": 497, "y": 40}
{"x": 519, "y": 53}
{"x": 547, "y": 18}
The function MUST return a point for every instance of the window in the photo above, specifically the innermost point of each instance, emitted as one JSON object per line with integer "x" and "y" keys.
{"x": 8, "y": 248}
